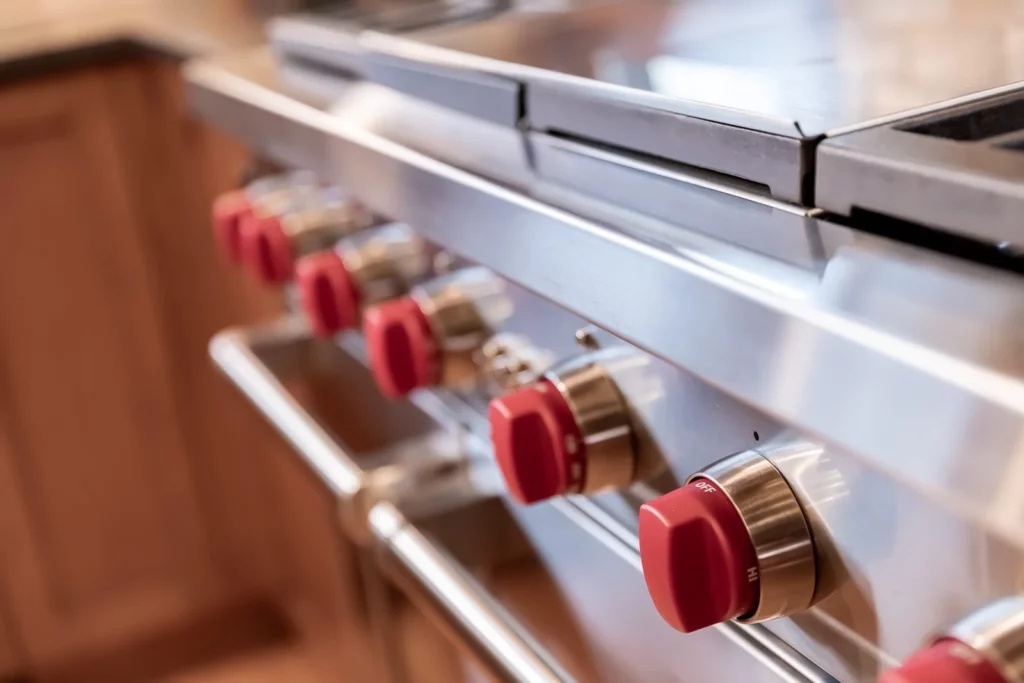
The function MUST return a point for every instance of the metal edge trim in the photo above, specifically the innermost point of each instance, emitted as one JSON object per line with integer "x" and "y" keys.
{"x": 235, "y": 353}
{"x": 933, "y": 108}
{"x": 460, "y": 603}
{"x": 629, "y": 160}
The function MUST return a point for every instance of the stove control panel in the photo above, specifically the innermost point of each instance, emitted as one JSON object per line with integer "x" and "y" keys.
{"x": 569, "y": 432}
{"x": 985, "y": 647}
{"x": 733, "y": 543}
{"x": 336, "y": 284}
{"x": 433, "y": 336}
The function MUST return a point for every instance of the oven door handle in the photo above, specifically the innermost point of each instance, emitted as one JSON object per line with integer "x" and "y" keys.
{"x": 424, "y": 472}
{"x": 237, "y": 352}
{"x": 440, "y": 586}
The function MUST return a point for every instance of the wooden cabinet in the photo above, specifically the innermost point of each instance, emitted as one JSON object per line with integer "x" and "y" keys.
{"x": 135, "y": 489}
{"x": 10, "y": 663}
{"x": 102, "y": 520}
{"x": 146, "y": 511}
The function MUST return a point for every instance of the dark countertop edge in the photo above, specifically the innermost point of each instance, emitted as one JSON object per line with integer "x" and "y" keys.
{"x": 123, "y": 39}
{"x": 107, "y": 49}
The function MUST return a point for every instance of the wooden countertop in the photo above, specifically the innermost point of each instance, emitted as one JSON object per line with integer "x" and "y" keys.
{"x": 176, "y": 28}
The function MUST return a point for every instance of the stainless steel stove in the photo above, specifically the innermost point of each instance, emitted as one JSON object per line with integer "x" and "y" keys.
{"x": 730, "y": 432}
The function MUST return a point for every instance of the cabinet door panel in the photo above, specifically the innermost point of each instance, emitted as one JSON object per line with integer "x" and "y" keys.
{"x": 100, "y": 525}
{"x": 10, "y": 665}
{"x": 173, "y": 167}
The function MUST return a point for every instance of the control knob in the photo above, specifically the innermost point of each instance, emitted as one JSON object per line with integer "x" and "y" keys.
{"x": 337, "y": 284}
{"x": 231, "y": 209}
{"x": 433, "y": 336}
{"x": 986, "y": 647}
{"x": 271, "y": 241}
{"x": 733, "y": 543}
{"x": 569, "y": 432}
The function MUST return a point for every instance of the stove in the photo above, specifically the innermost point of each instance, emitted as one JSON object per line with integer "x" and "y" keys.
{"x": 687, "y": 422}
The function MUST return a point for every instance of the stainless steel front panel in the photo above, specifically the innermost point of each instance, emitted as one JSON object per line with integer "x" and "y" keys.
{"x": 702, "y": 202}
{"x": 886, "y": 385}
{"x": 776, "y": 163}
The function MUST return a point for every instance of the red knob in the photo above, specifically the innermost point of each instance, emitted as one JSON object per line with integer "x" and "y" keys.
{"x": 948, "y": 661}
{"x": 537, "y": 443}
{"x": 329, "y": 296}
{"x": 266, "y": 248}
{"x": 403, "y": 351}
{"x": 229, "y": 210}
{"x": 698, "y": 560}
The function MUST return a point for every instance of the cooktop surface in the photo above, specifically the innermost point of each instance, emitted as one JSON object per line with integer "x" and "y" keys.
{"x": 797, "y": 67}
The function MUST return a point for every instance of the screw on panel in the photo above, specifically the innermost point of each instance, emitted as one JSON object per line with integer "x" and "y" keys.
{"x": 586, "y": 338}
{"x": 444, "y": 262}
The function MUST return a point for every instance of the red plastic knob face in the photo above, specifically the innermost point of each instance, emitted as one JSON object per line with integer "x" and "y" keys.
{"x": 402, "y": 349}
{"x": 537, "y": 443}
{"x": 266, "y": 248}
{"x": 329, "y": 296}
{"x": 948, "y": 661}
{"x": 698, "y": 560}
{"x": 229, "y": 210}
